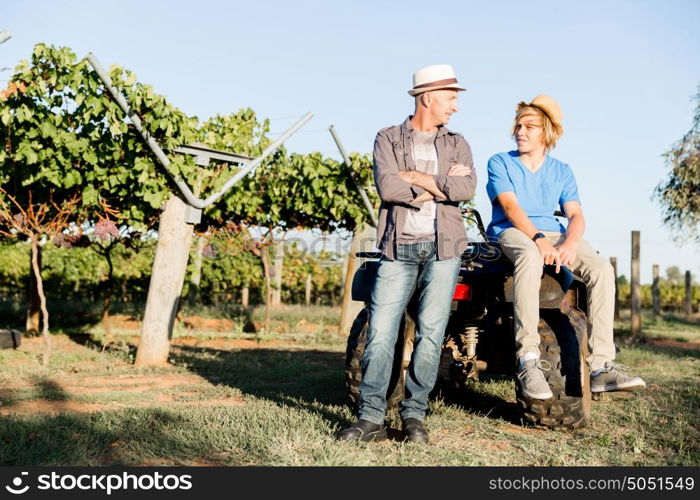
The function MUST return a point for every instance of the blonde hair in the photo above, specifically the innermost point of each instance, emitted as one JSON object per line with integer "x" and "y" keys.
{"x": 552, "y": 131}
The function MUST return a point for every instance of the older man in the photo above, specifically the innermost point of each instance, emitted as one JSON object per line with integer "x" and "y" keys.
{"x": 422, "y": 172}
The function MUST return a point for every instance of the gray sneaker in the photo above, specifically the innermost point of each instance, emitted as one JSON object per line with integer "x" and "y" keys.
{"x": 612, "y": 378}
{"x": 531, "y": 378}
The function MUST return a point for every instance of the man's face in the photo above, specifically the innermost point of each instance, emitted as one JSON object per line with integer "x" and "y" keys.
{"x": 529, "y": 134}
{"x": 442, "y": 104}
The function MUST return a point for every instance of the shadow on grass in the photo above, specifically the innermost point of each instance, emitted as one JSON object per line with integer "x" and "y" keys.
{"x": 675, "y": 320}
{"x": 301, "y": 379}
{"x": 305, "y": 378}
{"x": 122, "y": 348}
{"x": 44, "y": 388}
{"x": 126, "y": 437}
{"x": 93, "y": 439}
{"x": 309, "y": 379}
{"x": 666, "y": 348}
{"x": 472, "y": 400}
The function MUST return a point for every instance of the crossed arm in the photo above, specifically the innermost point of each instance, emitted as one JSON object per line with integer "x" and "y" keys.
{"x": 413, "y": 187}
{"x": 427, "y": 182}
{"x": 561, "y": 255}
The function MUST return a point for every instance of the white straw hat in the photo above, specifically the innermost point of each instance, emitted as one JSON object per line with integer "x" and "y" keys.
{"x": 435, "y": 77}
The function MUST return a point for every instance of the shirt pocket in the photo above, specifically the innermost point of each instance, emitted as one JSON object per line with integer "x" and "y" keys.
{"x": 398, "y": 152}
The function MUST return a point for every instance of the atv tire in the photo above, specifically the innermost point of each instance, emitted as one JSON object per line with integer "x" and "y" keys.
{"x": 10, "y": 339}
{"x": 353, "y": 360}
{"x": 563, "y": 343}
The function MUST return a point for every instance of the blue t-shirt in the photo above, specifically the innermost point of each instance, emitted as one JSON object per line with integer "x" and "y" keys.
{"x": 539, "y": 193}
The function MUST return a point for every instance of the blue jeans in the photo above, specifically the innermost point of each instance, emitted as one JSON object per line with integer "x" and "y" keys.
{"x": 415, "y": 269}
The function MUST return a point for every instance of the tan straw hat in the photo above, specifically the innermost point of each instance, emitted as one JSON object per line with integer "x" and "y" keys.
{"x": 435, "y": 77}
{"x": 549, "y": 107}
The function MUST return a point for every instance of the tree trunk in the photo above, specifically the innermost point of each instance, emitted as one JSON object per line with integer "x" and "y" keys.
{"x": 34, "y": 303}
{"x": 278, "y": 266}
{"x": 107, "y": 293}
{"x": 245, "y": 296}
{"x": 196, "y": 277}
{"x": 46, "y": 355}
{"x": 169, "y": 267}
{"x": 268, "y": 288}
{"x": 307, "y": 292}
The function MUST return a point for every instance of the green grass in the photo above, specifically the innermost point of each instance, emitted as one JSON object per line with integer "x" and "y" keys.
{"x": 667, "y": 326}
{"x": 289, "y": 399}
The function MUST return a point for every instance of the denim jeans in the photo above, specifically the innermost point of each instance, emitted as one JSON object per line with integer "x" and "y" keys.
{"x": 416, "y": 270}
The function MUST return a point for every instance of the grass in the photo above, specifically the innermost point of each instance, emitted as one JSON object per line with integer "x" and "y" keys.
{"x": 235, "y": 401}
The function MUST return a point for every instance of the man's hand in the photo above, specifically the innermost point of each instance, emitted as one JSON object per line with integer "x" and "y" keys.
{"x": 426, "y": 196}
{"x": 548, "y": 252}
{"x": 459, "y": 169}
{"x": 567, "y": 252}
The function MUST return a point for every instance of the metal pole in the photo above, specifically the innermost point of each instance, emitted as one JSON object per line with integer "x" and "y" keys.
{"x": 359, "y": 187}
{"x": 163, "y": 159}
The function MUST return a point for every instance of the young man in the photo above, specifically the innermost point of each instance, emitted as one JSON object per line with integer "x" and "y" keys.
{"x": 422, "y": 171}
{"x": 525, "y": 187}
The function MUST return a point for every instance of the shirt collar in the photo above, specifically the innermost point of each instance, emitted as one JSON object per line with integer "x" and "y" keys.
{"x": 408, "y": 128}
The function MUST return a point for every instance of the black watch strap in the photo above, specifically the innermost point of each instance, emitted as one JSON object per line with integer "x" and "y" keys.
{"x": 537, "y": 236}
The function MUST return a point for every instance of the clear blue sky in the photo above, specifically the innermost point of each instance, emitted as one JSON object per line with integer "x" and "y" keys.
{"x": 623, "y": 71}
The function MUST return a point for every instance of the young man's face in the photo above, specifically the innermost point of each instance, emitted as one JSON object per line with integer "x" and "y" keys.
{"x": 529, "y": 134}
{"x": 442, "y": 104}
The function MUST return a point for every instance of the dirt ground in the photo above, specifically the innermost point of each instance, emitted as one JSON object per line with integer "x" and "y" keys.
{"x": 76, "y": 390}
{"x": 219, "y": 325}
{"x": 71, "y": 392}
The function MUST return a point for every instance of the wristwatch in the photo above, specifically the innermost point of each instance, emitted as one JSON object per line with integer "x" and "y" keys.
{"x": 537, "y": 237}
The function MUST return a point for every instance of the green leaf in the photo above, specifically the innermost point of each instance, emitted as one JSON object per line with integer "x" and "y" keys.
{"x": 90, "y": 195}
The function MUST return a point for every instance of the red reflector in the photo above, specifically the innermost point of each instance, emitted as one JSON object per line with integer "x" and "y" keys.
{"x": 462, "y": 292}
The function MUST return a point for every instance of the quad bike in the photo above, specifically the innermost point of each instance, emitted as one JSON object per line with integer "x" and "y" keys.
{"x": 479, "y": 336}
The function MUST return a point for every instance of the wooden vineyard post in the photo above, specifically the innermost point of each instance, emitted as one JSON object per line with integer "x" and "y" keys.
{"x": 688, "y": 296}
{"x": 655, "y": 292}
{"x": 613, "y": 262}
{"x": 635, "y": 296}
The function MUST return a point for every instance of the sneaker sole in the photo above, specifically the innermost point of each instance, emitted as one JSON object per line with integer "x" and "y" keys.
{"x": 539, "y": 395}
{"x": 535, "y": 395}
{"x": 628, "y": 386}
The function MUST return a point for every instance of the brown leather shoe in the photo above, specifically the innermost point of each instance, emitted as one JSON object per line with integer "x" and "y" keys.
{"x": 363, "y": 430}
{"x": 414, "y": 431}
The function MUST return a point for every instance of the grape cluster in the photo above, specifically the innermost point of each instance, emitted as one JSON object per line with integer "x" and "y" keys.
{"x": 70, "y": 240}
{"x": 106, "y": 228}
